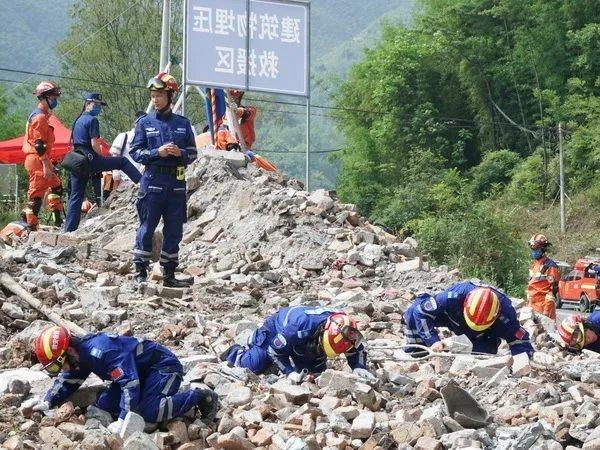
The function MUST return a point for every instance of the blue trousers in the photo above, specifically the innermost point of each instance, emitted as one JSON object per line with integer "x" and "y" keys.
{"x": 161, "y": 195}
{"x": 78, "y": 184}
{"x": 159, "y": 400}
{"x": 256, "y": 356}
{"x": 482, "y": 343}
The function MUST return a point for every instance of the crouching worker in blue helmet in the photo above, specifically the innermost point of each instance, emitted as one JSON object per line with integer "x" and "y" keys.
{"x": 145, "y": 375}
{"x": 481, "y": 312}
{"x": 298, "y": 341}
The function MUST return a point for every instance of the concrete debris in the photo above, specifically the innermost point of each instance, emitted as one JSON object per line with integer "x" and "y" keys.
{"x": 252, "y": 246}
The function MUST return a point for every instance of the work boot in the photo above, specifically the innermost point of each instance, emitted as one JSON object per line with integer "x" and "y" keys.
{"x": 208, "y": 403}
{"x": 141, "y": 274}
{"x": 57, "y": 217}
{"x": 169, "y": 280}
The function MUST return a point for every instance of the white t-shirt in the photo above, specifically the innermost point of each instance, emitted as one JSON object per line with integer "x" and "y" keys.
{"x": 121, "y": 147}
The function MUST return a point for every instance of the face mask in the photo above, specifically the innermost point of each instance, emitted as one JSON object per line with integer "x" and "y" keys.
{"x": 97, "y": 109}
{"x": 53, "y": 103}
{"x": 537, "y": 254}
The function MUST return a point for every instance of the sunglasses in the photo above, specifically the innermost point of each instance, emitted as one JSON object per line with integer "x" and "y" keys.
{"x": 53, "y": 368}
{"x": 577, "y": 339}
{"x": 155, "y": 83}
{"x": 352, "y": 335}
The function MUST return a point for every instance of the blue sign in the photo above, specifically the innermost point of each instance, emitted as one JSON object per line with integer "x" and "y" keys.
{"x": 273, "y": 58}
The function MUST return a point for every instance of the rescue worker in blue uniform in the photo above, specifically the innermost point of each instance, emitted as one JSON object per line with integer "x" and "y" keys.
{"x": 298, "y": 340}
{"x": 164, "y": 142}
{"x": 580, "y": 332}
{"x": 86, "y": 135}
{"x": 482, "y": 313}
{"x": 145, "y": 375}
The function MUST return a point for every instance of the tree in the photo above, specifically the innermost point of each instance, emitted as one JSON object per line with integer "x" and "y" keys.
{"x": 121, "y": 52}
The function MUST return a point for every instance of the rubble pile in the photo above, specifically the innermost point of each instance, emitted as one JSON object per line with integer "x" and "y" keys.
{"x": 253, "y": 244}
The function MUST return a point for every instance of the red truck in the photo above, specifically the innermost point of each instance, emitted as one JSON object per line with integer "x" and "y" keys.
{"x": 580, "y": 286}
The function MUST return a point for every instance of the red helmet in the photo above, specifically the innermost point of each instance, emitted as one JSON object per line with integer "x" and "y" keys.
{"x": 50, "y": 347}
{"x": 340, "y": 335}
{"x": 236, "y": 94}
{"x": 163, "y": 82}
{"x": 47, "y": 88}
{"x": 538, "y": 241}
{"x": 481, "y": 308}
{"x": 572, "y": 331}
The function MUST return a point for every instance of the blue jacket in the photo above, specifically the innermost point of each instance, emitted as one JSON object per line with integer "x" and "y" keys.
{"x": 593, "y": 322}
{"x": 85, "y": 128}
{"x": 121, "y": 359}
{"x": 154, "y": 130}
{"x": 290, "y": 333}
{"x": 446, "y": 310}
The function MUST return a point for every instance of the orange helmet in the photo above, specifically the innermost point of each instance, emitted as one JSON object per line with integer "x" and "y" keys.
{"x": 163, "y": 82}
{"x": 50, "y": 347}
{"x": 481, "y": 308}
{"x": 340, "y": 335}
{"x": 538, "y": 241}
{"x": 572, "y": 331}
{"x": 46, "y": 88}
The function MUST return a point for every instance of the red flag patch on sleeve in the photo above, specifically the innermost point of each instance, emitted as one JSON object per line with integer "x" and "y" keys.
{"x": 116, "y": 373}
{"x": 520, "y": 334}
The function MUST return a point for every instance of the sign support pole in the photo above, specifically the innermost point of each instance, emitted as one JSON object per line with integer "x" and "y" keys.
{"x": 165, "y": 35}
{"x": 307, "y": 184}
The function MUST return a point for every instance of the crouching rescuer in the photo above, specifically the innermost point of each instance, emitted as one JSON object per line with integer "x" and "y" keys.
{"x": 482, "y": 313}
{"x": 580, "y": 333}
{"x": 298, "y": 341}
{"x": 145, "y": 375}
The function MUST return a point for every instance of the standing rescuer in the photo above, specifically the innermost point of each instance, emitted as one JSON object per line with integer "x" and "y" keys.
{"x": 543, "y": 278}
{"x": 86, "y": 138}
{"x": 145, "y": 376}
{"x": 164, "y": 142}
{"x": 39, "y": 140}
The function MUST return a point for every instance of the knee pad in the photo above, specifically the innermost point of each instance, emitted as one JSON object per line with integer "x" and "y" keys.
{"x": 35, "y": 204}
{"x": 54, "y": 203}
{"x": 31, "y": 219}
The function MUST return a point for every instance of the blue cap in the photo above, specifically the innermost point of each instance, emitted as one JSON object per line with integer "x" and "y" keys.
{"x": 95, "y": 97}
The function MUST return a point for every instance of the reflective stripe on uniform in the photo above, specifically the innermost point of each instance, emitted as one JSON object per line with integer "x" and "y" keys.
{"x": 167, "y": 387}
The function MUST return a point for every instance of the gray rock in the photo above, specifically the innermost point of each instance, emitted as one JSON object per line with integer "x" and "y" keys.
{"x": 13, "y": 311}
{"x": 18, "y": 386}
{"x": 98, "y": 298}
{"x": 95, "y": 413}
{"x": 140, "y": 441}
{"x": 131, "y": 424}
{"x": 100, "y": 319}
{"x": 363, "y": 425}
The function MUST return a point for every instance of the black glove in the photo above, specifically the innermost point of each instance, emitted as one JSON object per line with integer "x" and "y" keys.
{"x": 208, "y": 404}
{"x": 40, "y": 147}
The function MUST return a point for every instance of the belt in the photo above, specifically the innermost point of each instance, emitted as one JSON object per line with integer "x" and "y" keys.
{"x": 169, "y": 170}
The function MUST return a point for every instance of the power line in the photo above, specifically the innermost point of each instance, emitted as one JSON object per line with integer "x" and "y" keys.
{"x": 50, "y": 75}
{"x": 448, "y": 122}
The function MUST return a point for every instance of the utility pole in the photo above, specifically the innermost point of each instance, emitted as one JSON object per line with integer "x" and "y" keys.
{"x": 165, "y": 35}
{"x": 561, "y": 179}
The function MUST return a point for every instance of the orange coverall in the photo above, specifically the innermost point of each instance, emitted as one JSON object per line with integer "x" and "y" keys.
{"x": 39, "y": 128}
{"x": 543, "y": 285}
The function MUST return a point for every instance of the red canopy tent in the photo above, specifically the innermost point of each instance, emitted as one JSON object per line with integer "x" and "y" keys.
{"x": 11, "y": 150}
